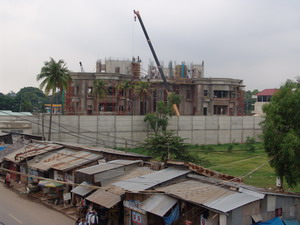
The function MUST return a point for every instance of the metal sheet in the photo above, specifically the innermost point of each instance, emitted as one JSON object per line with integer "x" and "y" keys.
{"x": 159, "y": 204}
{"x": 230, "y": 202}
{"x": 63, "y": 160}
{"x": 107, "y": 166}
{"x": 212, "y": 196}
{"x": 31, "y": 150}
{"x": 83, "y": 189}
{"x": 104, "y": 198}
{"x": 150, "y": 180}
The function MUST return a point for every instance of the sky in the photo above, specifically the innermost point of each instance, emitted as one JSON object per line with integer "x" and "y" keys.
{"x": 256, "y": 41}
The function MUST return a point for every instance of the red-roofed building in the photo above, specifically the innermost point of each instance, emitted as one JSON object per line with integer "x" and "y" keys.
{"x": 262, "y": 98}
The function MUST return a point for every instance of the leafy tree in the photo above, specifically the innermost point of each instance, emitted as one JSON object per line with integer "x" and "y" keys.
{"x": 100, "y": 89}
{"x": 127, "y": 86}
{"x": 167, "y": 146}
{"x": 54, "y": 75}
{"x": 31, "y": 99}
{"x": 142, "y": 89}
{"x": 249, "y": 101}
{"x": 281, "y": 132}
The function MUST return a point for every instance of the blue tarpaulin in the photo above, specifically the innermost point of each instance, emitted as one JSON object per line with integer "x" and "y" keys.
{"x": 2, "y": 148}
{"x": 174, "y": 215}
{"x": 291, "y": 222}
{"x": 275, "y": 221}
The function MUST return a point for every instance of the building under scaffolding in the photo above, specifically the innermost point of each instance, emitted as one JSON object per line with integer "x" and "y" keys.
{"x": 200, "y": 95}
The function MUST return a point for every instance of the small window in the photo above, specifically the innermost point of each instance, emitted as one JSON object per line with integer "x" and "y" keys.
{"x": 205, "y": 111}
{"x": 110, "y": 90}
{"x": 90, "y": 91}
{"x": 205, "y": 92}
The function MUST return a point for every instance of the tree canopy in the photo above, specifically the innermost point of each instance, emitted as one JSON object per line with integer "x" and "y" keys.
{"x": 28, "y": 99}
{"x": 281, "y": 132}
{"x": 54, "y": 75}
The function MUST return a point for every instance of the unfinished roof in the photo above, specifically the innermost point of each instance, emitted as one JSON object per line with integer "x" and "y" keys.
{"x": 107, "y": 166}
{"x": 31, "y": 150}
{"x": 63, "y": 160}
{"x": 141, "y": 183}
{"x": 104, "y": 198}
{"x": 83, "y": 189}
{"x": 208, "y": 195}
{"x": 158, "y": 204}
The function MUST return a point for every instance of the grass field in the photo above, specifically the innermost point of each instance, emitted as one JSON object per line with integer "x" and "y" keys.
{"x": 252, "y": 166}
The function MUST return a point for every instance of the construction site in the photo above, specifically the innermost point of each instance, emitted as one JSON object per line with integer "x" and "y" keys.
{"x": 199, "y": 95}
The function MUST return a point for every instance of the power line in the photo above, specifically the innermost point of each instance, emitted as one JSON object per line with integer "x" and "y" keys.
{"x": 85, "y": 137}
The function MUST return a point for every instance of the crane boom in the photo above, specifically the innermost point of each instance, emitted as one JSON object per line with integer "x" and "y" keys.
{"x": 137, "y": 13}
{"x": 152, "y": 50}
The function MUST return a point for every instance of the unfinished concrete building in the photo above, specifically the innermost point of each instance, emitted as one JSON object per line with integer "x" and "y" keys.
{"x": 200, "y": 95}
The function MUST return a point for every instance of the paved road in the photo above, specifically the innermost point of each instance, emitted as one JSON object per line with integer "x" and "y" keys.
{"x": 16, "y": 210}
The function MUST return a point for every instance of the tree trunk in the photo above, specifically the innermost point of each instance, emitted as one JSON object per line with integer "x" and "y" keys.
{"x": 50, "y": 119}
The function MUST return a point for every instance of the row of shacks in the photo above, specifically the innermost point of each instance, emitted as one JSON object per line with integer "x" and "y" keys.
{"x": 127, "y": 188}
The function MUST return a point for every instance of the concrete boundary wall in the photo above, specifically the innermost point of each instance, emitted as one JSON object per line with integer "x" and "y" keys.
{"x": 117, "y": 131}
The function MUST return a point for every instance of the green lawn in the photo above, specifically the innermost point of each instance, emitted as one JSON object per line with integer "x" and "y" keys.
{"x": 252, "y": 166}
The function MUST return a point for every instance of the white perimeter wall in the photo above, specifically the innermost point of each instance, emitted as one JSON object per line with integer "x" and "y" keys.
{"x": 117, "y": 130}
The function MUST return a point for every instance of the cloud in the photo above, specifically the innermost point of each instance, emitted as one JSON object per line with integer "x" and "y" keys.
{"x": 256, "y": 41}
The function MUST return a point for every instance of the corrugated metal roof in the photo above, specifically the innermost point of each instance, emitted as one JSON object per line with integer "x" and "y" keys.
{"x": 105, "y": 150}
{"x": 150, "y": 180}
{"x": 31, "y": 150}
{"x": 211, "y": 196}
{"x": 104, "y": 198}
{"x": 82, "y": 190}
{"x": 63, "y": 160}
{"x": 10, "y": 113}
{"x": 158, "y": 204}
{"x": 107, "y": 166}
{"x": 232, "y": 201}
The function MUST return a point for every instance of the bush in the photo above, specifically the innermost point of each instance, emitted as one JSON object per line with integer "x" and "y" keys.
{"x": 230, "y": 148}
{"x": 250, "y": 144}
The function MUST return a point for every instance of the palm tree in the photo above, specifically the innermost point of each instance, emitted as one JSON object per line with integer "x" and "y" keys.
{"x": 55, "y": 75}
{"x": 99, "y": 89}
{"x": 126, "y": 86}
{"x": 142, "y": 89}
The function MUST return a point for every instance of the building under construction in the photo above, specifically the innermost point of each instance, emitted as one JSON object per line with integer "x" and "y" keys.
{"x": 200, "y": 95}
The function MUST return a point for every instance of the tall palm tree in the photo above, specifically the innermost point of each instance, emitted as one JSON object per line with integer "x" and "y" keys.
{"x": 142, "y": 89}
{"x": 126, "y": 86}
{"x": 100, "y": 90}
{"x": 54, "y": 75}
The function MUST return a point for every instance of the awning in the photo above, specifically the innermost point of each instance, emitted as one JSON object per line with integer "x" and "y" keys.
{"x": 49, "y": 184}
{"x": 104, "y": 198}
{"x": 158, "y": 204}
{"x": 83, "y": 189}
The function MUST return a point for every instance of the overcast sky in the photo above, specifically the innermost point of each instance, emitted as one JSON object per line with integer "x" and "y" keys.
{"x": 257, "y": 41}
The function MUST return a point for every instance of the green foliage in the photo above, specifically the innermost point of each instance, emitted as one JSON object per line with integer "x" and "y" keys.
{"x": 249, "y": 101}
{"x": 250, "y": 147}
{"x": 230, "y": 148}
{"x": 281, "y": 132}
{"x": 100, "y": 88}
{"x": 28, "y": 99}
{"x": 54, "y": 75}
{"x": 166, "y": 145}
{"x": 159, "y": 120}
{"x": 174, "y": 99}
